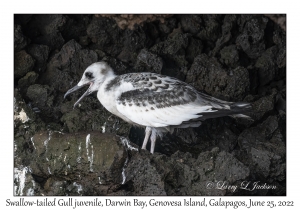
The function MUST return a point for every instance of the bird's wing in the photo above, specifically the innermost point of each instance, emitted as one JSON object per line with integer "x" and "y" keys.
{"x": 160, "y": 101}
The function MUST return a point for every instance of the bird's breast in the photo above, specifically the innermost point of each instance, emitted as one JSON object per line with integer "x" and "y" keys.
{"x": 109, "y": 99}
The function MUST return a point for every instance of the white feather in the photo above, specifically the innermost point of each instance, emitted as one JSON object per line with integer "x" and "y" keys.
{"x": 161, "y": 117}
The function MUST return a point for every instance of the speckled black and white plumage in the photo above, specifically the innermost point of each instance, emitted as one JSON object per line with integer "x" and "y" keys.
{"x": 157, "y": 102}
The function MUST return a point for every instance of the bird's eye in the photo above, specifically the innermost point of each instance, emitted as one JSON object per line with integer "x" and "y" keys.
{"x": 89, "y": 75}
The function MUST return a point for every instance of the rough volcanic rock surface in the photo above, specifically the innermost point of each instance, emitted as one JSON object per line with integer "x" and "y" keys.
{"x": 130, "y": 21}
{"x": 20, "y": 41}
{"x": 63, "y": 151}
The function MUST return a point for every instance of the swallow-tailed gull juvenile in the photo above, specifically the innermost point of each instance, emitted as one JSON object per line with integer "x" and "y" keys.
{"x": 159, "y": 103}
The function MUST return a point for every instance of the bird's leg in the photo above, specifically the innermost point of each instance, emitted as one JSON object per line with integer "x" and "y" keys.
{"x": 153, "y": 140}
{"x": 147, "y": 134}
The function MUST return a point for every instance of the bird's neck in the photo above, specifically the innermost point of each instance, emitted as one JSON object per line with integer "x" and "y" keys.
{"x": 110, "y": 76}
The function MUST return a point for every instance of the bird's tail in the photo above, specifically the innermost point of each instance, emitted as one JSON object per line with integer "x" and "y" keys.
{"x": 240, "y": 108}
{"x": 233, "y": 109}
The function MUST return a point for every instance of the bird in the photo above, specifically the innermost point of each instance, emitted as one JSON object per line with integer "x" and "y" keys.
{"x": 157, "y": 102}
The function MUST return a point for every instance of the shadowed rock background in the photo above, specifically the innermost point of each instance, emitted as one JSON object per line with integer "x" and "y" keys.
{"x": 59, "y": 150}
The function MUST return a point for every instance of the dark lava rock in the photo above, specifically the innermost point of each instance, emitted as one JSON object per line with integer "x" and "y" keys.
{"x": 20, "y": 41}
{"x": 29, "y": 79}
{"x": 81, "y": 119}
{"x": 191, "y": 23}
{"x": 167, "y": 26}
{"x": 78, "y": 164}
{"x": 279, "y": 38}
{"x": 194, "y": 48}
{"x": 24, "y": 183}
{"x": 46, "y": 30}
{"x": 47, "y": 24}
{"x": 98, "y": 164}
{"x": 147, "y": 61}
{"x": 281, "y": 100}
{"x": 134, "y": 41}
{"x": 32, "y": 124}
{"x": 39, "y": 95}
{"x": 91, "y": 116}
{"x": 53, "y": 40}
{"x": 22, "y": 19}
{"x": 211, "y": 28}
{"x": 251, "y": 40}
{"x": 264, "y": 151}
{"x": 206, "y": 74}
{"x": 174, "y": 45}
{"x": 118, "y": 66}
{"x": 279, "y": 19}
{"x": 84, "y": 40}
{"x": 229, "y": 24}
{"x": 266, "y": 66}
{"x": 132, "y": 21}
{"x": 68, "y": 65}
{"x": 40, "y": 53}
{"x": 172, "y": 51}
{"x": 263, "y": 106}
{"x": 23, "y": 64}
{"x": 258, "y": 135}
{"x": 206, "y": 27}
{"x": 229, "y": 56}
{"x": 75, "y": 28}
{"x": 106, "y": 35}
{"x": 181, "y": 174}
{"x": 144, "y": 176}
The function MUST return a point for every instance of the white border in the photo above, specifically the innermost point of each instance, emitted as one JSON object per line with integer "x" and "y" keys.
{"x": 153, "y": 6}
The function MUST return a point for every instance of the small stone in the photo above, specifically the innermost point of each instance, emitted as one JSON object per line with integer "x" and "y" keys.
{"x": 23, "y": 63}
{"x": 29, "y": 79}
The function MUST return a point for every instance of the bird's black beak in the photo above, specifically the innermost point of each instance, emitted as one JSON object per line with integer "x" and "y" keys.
{"x": 73, "y": 89}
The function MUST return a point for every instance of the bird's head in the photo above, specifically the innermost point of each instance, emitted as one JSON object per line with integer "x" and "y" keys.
{"x": 94, "y": 76}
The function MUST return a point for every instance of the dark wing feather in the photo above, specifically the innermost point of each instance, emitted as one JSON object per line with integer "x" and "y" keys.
{"x": 160, "y": 101}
